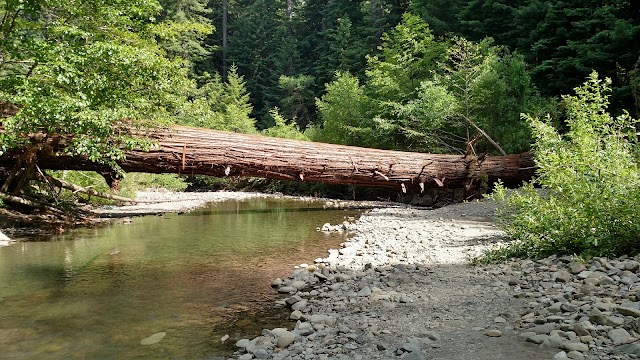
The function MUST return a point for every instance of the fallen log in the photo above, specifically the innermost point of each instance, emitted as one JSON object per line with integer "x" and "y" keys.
{"x": 191, "y": 151}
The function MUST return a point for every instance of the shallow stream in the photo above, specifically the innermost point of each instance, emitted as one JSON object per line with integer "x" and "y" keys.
{"x": 97, "y": 293}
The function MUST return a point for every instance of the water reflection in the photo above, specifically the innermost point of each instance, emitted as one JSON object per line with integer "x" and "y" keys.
{"x": 96, "y": 293}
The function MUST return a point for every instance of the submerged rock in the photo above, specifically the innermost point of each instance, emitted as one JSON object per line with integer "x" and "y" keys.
{"x": 153, "y": 339}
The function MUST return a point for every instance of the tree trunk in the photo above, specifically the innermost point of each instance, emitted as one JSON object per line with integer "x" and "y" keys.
{"x": 190, "y": 151}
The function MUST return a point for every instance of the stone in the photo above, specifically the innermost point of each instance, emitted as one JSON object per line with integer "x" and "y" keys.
{"x": 311, "y": 268}
{"x": 614, "y": 321}
{"x": 619, "y": 336}
{"x": 575, "y": 346}
{"x": 597, "y": 317}
{"x": 285, "y": 338}
{"x": 555, "y": 308}
{"x": 605, "y": 280}
{"x": 242, "y": 343}
{"x": 304, "y": 329}
{"x": 494, "y": 333}
{"x": 568, "y": 307}
{"x": 293, "y": 299}
{"x": 584, "y": 274}
{"x": 277, "y": 282}
{"x": 576, "y": 268}
{"x": 628, "y": 311}
{"x": 562, "y": 276}
{"x": 553, "y": 341}
{"x": 631, "y": 349}
{"x": 432, "y": 335}
{"x": 300, "y": 305}
{"x": 286, "y": 289}
{"x": 537, "y": 339}
{"x": 322, "y": 319}
{"x": 299, "y": 284}
{"x": 261, "y": 354}
{"x": 295, "y": 315}
{"x": 575, "y": 355}
{"x": 245, "y": 357}
{"x": 365, "y": 291}
{"x": 499, "y": 319}
{"x": 555, "y": 319}
{"x": 153, "y": 339}
{"x": 414, "y": 355}
{"x": 560, "y": 356}
{"x": 586, "y": 339}
{"x": 545, "y": 328}
{"x": 631, "y": 305}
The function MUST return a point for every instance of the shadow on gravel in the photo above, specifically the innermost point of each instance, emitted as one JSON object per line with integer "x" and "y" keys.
{"x": 458, "y": 304}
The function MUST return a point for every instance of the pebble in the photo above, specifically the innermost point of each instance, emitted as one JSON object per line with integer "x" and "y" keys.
{"x": 343, "y": 304}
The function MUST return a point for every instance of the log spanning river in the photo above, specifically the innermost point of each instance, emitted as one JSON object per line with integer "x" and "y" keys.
{"x": 161, "y": 287}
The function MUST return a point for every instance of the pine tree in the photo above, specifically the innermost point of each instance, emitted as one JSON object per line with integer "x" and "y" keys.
{"x": 184, "y": 28}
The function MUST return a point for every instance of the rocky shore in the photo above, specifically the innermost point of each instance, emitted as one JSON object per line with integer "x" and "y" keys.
{"x": 403, "y": 288}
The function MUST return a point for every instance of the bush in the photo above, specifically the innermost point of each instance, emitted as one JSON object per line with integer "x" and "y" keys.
{"x": 591, "y": 184}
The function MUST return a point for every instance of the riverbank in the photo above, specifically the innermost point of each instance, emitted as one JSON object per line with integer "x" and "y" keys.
{"x": 403, "y": 288}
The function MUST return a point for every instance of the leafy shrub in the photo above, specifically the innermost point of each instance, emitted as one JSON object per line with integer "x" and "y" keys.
{"x": 590, "y": 177}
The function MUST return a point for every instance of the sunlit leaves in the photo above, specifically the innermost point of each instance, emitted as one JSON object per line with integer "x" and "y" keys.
{"x": 81, "y": 68}
{"x": 591, "y": 181}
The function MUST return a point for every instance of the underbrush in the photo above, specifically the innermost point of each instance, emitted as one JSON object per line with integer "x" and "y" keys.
{"x": 129, "y": 185}
{"x": 590, "y": 175}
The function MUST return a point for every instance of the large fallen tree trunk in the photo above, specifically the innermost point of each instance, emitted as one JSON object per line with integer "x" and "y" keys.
{"x": 189, "y": 151}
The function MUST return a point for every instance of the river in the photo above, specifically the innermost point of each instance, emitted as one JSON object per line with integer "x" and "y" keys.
{"x": 97, "y": 293}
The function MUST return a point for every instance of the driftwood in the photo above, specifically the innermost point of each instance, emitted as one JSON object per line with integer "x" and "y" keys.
{"x": 190, "y": 151}
{"x": 75, "y": 188}
{"x": 29, "y": 203}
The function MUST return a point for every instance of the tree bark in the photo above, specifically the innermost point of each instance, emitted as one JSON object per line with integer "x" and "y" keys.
{"x": 191, "y": 151}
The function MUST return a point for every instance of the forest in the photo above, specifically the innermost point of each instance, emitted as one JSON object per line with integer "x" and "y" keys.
{"x": 427, "y": 76}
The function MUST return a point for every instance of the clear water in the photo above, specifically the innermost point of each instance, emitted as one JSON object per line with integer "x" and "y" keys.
{"x": 96, "y": 293}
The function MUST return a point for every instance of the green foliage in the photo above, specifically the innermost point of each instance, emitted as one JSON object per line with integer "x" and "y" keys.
{"x": 184, "y": 29}
{"x": 297, "y": 100}
{"x": 591, "y": 184}
{"x": 408, "y": 55}
{"x": 492, "y": 88}
{"x": 218, "y": 105}
{"x": 262, "y": 49}
{"x": 282, "y": 129}
{"x": 82, "y": 68}
{"x": 344, "y": 111}
{"x": 131, "y": 183}
{"x": 425, "y": 94}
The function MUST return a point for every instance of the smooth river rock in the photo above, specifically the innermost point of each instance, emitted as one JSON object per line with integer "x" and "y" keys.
{"x": 153, "y": 339}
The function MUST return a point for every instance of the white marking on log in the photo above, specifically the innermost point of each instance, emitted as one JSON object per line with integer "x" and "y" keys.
{"x": 227, "y": 171}
{"x": 404, "y": 188}
{"x": 301, "y": 176}
{"x": 439, "y": 182}
{"x": 421, "y": 187}
{"x": 184, "y": 155}
{"x": 381, "y": 174}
